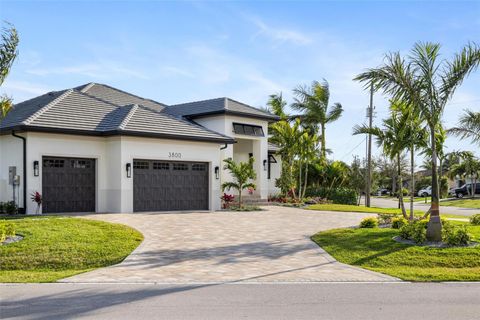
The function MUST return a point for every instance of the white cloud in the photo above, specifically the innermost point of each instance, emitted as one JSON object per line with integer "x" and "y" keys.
{"x": 280, "y": 35}
{"x": 22, "y": 90}
{"x": 97, "y": 70}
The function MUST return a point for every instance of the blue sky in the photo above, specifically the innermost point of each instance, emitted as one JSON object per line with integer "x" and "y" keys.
{"x": 182, "y": 51}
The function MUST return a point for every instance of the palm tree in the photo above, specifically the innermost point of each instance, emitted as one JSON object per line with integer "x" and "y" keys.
{"x": 469, "y": 167}
{"x": 8, "y": 53}
{"x": 242, "y": 173}
{"x": 276, "y": 105}
{"x": 307, "y": 150}
{"x": 313, "y": 102}
{"x": 468, "y": 126}
{"x": 428, "y": 83}
{"x": 394, "y": 139}
{"x": 286, "y": 136}
{"x": 417, "y": 137}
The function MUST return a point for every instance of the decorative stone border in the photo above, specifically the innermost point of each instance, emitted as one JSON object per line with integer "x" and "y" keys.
{"x": 433, "y": 244}
{"x": 13, "y": 239}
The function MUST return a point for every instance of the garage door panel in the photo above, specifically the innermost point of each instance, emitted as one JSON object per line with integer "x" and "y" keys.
{"x": 68, "y": 185}
{"x": 173, "y": 185}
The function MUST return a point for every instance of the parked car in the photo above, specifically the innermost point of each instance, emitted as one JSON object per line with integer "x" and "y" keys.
{"x": 425, "y": 192}
{"x": 465, "y": 190}
{"x": 383, "y": 192}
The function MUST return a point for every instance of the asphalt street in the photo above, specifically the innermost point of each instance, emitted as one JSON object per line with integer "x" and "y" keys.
{"x": 242, "y": 301}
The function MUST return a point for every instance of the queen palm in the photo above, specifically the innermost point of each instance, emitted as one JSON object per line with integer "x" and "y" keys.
{"x": 427, "y": 82}
{"x": 394, "y": 138}
{"x": 313, "y": 102}
{"x": 8, "y": 53}
{"x": 468, "y": 126}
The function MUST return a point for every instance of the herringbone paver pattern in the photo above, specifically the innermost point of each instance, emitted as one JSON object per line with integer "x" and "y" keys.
{"x": 205, "y": 247}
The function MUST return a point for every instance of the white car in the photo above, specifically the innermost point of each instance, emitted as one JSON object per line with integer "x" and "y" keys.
{"x": 425, "y": 192}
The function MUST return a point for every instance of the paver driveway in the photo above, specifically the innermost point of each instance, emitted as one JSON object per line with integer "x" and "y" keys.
{"x": 205, "y": 247}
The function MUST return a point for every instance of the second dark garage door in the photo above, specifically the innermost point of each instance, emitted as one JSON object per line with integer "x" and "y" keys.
{"x": 169, "y": 186}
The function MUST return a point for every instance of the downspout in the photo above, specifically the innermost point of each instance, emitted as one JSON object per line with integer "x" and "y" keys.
{"x": 24, "y": 141}
{"x": 224, "y": 147}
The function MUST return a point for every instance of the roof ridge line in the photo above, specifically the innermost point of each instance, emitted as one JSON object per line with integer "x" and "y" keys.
{"x": 203, "y": 100}
{"x": 45, "y": 108}
{"x": 249, "y": 106}
{"x": 131, "y": 94}
{"x": 129, "y": 116}
{"x": 87, "y": 87}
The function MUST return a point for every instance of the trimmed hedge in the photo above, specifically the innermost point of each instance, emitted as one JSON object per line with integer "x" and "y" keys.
{"x": 336, "y": 195}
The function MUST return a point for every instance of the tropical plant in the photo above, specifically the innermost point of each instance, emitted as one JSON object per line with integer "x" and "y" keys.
{"x": 427, "y": 83}
{"x": 276, "y": 105}
{"x": 394, "y": 139}
{"x": 313, "y": 102}
{"x": 469, "y": 167}
{"x": 286, "y": 136}
{"x": 468, "y": 126}
{"x": 242, "y": 174}
{"x": 8, "y": 53}
{"x": 37, "y": 198}
{"x": 307, "y": 150}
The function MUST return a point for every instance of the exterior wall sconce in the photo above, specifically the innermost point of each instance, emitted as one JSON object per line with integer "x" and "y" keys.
{"x": 36, "y": 168}
{"x": 128, "y": 167}
{"x": 264, "y": 165}
{"x": 217, "y": 173}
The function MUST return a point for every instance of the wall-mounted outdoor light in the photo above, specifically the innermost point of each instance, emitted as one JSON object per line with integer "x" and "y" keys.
{"x": 128, "y": 167}
{"x": 217, "y": 173}
{"x": 264, "y": 165}
{"x": 36, "y": 168}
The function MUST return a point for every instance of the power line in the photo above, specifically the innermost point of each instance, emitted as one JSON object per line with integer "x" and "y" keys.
{"x": 358, "y": 145}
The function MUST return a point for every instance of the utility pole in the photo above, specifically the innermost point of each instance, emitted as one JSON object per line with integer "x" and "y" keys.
{"x": 369, "y": 150}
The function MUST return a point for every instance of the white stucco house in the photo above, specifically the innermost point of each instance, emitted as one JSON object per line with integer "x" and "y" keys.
{"x": 95, "y": 148}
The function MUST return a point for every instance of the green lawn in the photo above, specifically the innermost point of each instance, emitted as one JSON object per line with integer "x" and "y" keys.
{"x": 373, "y": 210}
{"x": 375, "y": 250}
{"x": 57, "y": 247}
{"x": 353, "y": 208}
{"x": 462, "y": 203}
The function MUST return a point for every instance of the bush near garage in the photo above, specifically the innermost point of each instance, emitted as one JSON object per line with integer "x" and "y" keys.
{"x": 336, "y": 195}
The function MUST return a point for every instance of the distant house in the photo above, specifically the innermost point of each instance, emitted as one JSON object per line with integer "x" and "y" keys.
{"x": 95, "y": 148}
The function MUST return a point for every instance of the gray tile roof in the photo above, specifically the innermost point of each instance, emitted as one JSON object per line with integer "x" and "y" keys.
{"x": 103, "y": 110}
{"x": 273, "y": 147}
{"x": 219, "y": 105}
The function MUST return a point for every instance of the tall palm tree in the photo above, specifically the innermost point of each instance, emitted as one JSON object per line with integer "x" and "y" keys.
{"x": 427, "y": 82}
{"x": 468, "y": 126}
{"x": 313, "y": 102}
{"x": 417, "y": 138}
{"x": 307, "y": 150}
{"x": 276, "y": 105}
{"x": 8, "y": 53}
{"x": 394, "y": 138}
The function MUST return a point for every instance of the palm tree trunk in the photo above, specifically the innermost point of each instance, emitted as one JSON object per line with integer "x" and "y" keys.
{"x": 240, "y": 197}
{"x": 412, "y": 178}
{"x": 299, "y": 179}
{"x": 400, "y": 187}
{"x": 324, "y": 148}
{"x": 434, "y": 228}
{"x": 305, "y": 181}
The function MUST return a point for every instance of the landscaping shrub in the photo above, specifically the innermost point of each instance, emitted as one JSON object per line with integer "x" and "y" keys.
{"x": 455, "y": 236}
{"x": 369, "y": 223}
{"x": 7, "y": 229}
{"x": 9, "y": 207}
{"x": 416, "y": 231}
{"x": 398, "y": 223}
{"x": 336, "y": 195}
{"x": 475, "y": 220}
{"x": 385, "y": 218}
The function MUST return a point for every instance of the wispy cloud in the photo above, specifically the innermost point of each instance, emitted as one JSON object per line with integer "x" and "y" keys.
{"x": 97, "y": 70}
{"x": 280, "y": 35}
{"x": 21, "y": 90}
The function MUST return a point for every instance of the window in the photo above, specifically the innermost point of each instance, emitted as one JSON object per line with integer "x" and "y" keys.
{"x": 199, "y": 167}
{"x": 53, "y": 163}
{"x": 141, "y": 165}
{"x": 248, "y": 129}
{"x": 161, "y": 166}
{"x": 180, "y": 166}
{"x": 80, "y": 164}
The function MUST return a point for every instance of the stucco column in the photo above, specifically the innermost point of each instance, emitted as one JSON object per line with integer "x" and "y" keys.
{"x": 260, "y": 153}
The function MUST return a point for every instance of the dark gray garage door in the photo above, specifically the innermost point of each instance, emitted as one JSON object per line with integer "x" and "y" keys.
{"x": 68, "y": 185}
{"x": 165, "y": 186}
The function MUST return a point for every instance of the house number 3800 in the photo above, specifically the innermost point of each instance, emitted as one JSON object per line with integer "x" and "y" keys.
{"x": 177, "y": 155}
